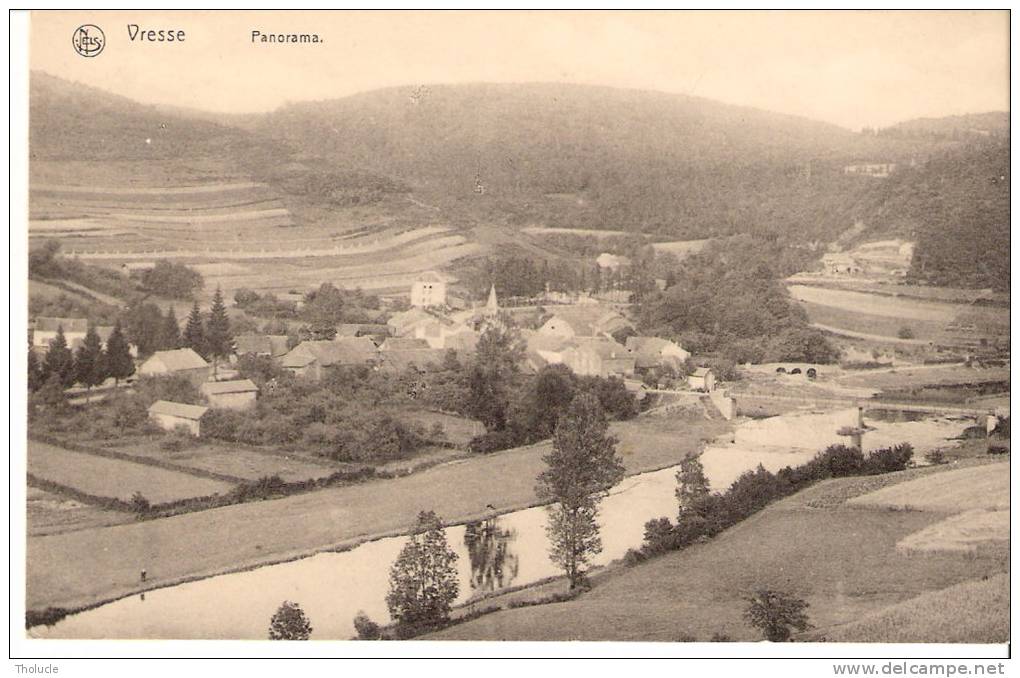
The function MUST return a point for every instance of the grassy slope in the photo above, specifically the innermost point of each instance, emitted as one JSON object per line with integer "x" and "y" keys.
{"x": 235, "y": 537}
{"x": 843, "y": 560}
{"x": 971, "y": 612}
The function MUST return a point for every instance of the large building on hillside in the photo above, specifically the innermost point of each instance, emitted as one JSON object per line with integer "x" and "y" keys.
{"x": 584, "y": 320}
{"x": 429, "y": 289}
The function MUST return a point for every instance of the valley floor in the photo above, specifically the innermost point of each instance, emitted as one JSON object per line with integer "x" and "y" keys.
{"x": 86, "y": 567}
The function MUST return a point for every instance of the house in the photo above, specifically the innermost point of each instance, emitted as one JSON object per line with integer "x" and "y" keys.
{"x": 269, "y": 345}
{"x": 169, "y": 415}
{"x": 652, "y": 352}
{"x": 443, "y": 332}
{"x": 599, "y": 357}
{"x": 701, "y": 379}
{"x": 45, "y": 331}
{"x": 544, "y": 349}
{"x": 180, "y": 362}
{"x": 584, "y": 320}
{"x": 428, "y": 289}
{"x": 230, "y": 395}
{"x": 309, "y": 358}
{"x": 841, "y": 263}
{"x": 404, "y": 344}
{"x": 612, "y": 262}
{"x": 405, "y": 322}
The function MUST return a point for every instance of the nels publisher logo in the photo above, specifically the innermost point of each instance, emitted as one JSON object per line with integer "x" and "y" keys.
{"x": 88, "y": 40}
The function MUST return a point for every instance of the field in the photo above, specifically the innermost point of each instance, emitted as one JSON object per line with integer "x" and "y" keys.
{"x": 883, "y": 315}
{"x": 933, "y": 375}
{"x": 103, "y": 477}
{"x": 680, "y": 248}
{"x": 843, "y": 560}
{"x": 234, "y": 460}
{"x": 970, "y": 612}
{"x": 244, "y": 535}
{"x": 982, "y": 487}
{"x": 49, "y": 513}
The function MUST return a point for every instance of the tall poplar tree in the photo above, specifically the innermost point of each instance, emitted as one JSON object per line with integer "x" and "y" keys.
{"x": 170, "y": 333}
{"x": 581, "y": 467}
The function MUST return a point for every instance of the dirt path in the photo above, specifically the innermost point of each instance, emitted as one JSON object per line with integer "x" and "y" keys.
{"x": 78, "y": 569}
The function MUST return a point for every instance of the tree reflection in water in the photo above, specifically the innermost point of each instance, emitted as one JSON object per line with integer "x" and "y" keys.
{"x": 493, "y": 564}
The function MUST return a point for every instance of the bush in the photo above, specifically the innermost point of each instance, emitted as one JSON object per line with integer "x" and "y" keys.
{"x": 776, "y": 614}
{"x": 139, "y": 503}
{"x": 889, "y": 459}
{"x": 905, "y": 333}
{"x": 935, "y": 457}
{"x": 841, "y": 461}
{"x": 366, "y": 628}
{"x": 493, "y": 442}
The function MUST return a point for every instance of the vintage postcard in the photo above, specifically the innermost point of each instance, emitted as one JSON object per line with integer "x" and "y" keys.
{"x": 677, "y": 327}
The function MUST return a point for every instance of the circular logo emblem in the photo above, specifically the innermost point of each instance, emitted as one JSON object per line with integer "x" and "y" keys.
{"x": 88, "y": 40}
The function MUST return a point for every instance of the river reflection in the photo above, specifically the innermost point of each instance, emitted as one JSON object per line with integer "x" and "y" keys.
{"x": 494, "y": 565}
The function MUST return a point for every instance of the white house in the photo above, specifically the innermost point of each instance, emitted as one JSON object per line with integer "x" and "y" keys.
{"x": 45, "y": 331}
{"x": 702, "y": 379}
{"x": 238, "y": 394}
{"x": 652, "y": 352}
{"x": 429, "y": 289}
{"x": 169, "y": 415}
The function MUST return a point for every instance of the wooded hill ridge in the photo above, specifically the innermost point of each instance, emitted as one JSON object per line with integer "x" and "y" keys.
{"x": 667, "y": 165}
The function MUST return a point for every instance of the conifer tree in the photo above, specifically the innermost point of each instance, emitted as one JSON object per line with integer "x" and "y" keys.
{"x": 218, "y": 342}
{"x": 170, "y": 333}
{"x": 59, "y": 361}
{"x": 194, "y": 332}
{"x": 89, "y": 362}
{"x": 119, "y": 363}
{"x": 35, "y": 372}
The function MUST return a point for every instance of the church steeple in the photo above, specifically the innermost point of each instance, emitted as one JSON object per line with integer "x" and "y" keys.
{"x": 492, "y": 305}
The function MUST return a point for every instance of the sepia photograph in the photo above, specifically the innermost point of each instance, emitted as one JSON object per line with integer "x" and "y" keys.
{"x": 684, "y": 328}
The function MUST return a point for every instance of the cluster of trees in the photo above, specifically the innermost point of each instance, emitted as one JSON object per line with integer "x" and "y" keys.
{"x": 729, "y": 299}
{"x": 322, "y": 309}
{"x": 517, "y": 409}
{"x": 172, "y": 280}
{"x": 89, "y": 365}
{"x": 345, "y": 416}
{"x": 703, "y": 514}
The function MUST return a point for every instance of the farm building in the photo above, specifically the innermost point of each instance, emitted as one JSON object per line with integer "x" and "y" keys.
{"x": 309, "y": 358}
{"x": 652, "y": 352}
{"x": 584, "y": 320}
{"x": 599, "y": 358}
{"x": 429, "y": 289}
{"x": 270, "y": 345}
{"x": 702, "y": 379}
{"x": 169, "y": 415}
{"x": 231, "y": 395}
{"x": 841, "y": 263}
{"x": 46, "y": 330}
{"x": 405, "y": 322}
{"x": 180, "y": 362}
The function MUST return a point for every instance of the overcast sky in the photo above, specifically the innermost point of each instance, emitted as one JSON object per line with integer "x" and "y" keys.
{"x": 850, "y": 68}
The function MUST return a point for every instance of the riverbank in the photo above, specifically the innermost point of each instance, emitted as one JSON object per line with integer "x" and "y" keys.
{"x": 840, "y": 557}
{"x": 107, "y": 561}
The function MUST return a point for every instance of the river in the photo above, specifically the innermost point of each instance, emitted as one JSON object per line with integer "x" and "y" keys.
{"x": 504, "y": 551}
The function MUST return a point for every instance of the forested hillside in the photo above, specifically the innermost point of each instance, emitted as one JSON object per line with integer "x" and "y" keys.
{"x": 670, "y": 166}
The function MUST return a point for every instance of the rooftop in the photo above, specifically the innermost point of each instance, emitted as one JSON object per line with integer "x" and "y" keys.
{"x": 181, "y": 410}
{"x": 223, "y": 387}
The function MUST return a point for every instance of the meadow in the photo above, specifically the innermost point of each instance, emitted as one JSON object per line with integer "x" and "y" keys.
{"x": 115, "y": 478}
